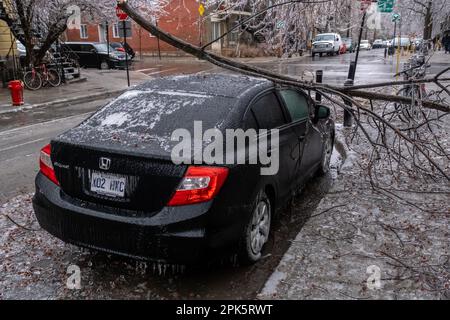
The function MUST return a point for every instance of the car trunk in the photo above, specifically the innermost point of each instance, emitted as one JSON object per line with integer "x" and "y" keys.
{"x": 149, "y": 183}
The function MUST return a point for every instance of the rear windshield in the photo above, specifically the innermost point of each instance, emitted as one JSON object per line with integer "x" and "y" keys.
{"x": 159, "y": 113}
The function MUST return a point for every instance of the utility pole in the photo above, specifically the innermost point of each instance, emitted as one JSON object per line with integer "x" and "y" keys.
{"x": 107, "y": 35}
{"x": 124, "y": 24}
{"x": 348, "y": 121}
{"x": 397, "y": 68}
{"x": 157, "y": 39}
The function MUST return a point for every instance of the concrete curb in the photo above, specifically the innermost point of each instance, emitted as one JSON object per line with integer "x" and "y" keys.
{"x": 77, "y": 99}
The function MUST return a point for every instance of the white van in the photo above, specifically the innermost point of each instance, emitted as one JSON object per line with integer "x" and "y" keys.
{"x": 329, "y": 43}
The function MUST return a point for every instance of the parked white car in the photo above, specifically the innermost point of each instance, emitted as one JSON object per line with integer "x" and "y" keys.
{"x": 329, "y": 43}
{"x": 365, "y": 45}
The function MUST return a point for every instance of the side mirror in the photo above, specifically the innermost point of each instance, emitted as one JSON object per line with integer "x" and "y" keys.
{"x": 322, "y": 112}
{"x": 93, "y": 51}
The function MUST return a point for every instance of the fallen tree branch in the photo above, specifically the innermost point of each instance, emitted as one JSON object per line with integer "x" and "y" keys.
{"x": 259, "y": 72}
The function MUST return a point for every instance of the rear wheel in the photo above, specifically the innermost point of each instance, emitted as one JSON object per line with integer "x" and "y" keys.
{"x": 257, "y": 231}
{"x": 104, "y": 65}
{"x": 32, "y": 80}
{"x": 54, "y": 78}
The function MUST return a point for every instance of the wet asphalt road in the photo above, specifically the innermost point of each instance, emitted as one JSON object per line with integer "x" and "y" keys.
{"x": 22, "y": 135}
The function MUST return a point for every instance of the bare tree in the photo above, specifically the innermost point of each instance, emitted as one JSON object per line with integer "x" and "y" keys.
{"x": 39, "y": 23}
{"x": 428, "y": 12}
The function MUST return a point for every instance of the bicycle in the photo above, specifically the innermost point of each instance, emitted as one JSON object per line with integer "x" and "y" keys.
{"x": 415, "y": 69}
{"x": 40, "y": 76}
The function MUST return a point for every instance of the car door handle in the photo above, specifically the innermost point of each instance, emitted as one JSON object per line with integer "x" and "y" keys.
{"x": 302, "y": 138}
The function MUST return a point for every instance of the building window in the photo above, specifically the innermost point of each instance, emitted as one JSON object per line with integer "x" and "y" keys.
{"x": 83, "y": 31}
{"x": 216, "y": 30}
{"x": 116, "y": 31}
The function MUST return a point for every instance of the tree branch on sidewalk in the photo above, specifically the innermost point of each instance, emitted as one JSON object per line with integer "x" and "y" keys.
{"x": 400, "y": 129}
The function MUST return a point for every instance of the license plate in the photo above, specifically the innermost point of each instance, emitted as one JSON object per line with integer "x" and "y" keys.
{"x": 108, "y": 184}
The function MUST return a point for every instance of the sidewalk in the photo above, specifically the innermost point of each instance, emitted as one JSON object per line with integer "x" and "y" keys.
{"x": 362, "y": 245}
{"x": 98, "y": 85}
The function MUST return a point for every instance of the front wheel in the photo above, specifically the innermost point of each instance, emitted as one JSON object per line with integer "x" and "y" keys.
{"x": 32, "y": 80}
{"x": 327, "y": 152}
{"x": 257, "y": 231}
{"x": 54, "y": 78}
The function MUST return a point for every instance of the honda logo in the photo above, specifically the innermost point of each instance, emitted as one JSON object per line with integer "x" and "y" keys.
{"x": 105, "y": 163}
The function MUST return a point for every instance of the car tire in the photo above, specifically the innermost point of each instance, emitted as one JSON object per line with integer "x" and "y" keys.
{"x": 256, "y": 233}
{"x": 104, "y": 65}
{"x": 327, "y": 151}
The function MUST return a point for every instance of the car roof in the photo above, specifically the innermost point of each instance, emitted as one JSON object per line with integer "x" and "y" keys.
{"x": 229, "y": 85}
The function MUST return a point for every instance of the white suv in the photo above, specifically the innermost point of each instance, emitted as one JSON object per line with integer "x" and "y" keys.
{"x": 329, "y": 43}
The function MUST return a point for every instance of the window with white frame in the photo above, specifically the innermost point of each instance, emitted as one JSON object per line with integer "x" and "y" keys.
{"x": 116, "y": 34}
{"x": 84, "y": 31}
{"x": 154, "y": 21}
{"x": 216, "y": 30}
{"x": 118, "y": 30}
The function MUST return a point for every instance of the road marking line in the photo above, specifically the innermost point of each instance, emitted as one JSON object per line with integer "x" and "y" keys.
{"x": 143, "y": 70}
{"x": 42, "y": 123}
{"x": 163, "y": 71}
{"x": 23, "y": 144}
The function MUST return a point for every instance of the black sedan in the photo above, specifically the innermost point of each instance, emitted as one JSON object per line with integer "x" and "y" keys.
{"x": 113, "y": 184}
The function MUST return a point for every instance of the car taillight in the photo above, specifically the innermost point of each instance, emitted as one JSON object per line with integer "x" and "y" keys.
{"x": 200, "y": 184}
{"x": 45, "y": 163}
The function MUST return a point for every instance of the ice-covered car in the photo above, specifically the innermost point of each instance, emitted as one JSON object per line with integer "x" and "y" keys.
{"x": 378, "y": 44}
{"x": 112, "y": 184}
{"x": 365, "y": 45}
{"x": 328, "y": 43}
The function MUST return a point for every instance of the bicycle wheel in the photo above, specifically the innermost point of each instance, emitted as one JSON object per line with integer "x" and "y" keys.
{"x": 53, "y": 78}
{"x": 32, "y": 80}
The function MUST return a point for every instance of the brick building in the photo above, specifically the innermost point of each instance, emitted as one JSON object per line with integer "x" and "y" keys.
{"x": 181, "y": 19}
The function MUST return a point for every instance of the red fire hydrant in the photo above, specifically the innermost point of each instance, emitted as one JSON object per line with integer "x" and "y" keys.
{"x": 16, "y": 88}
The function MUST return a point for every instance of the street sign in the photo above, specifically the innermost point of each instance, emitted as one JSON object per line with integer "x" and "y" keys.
{"x": 386, "y": 6}
{"x": 395, "y": 17}
{"x": 121, "y": 14}
{"x": 201, "y": 9}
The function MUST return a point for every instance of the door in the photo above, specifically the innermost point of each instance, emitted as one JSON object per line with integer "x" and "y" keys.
{"x": 269, "y": 114}
{"x": 297, "y": 108}
{"x": 90, "y": 55}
